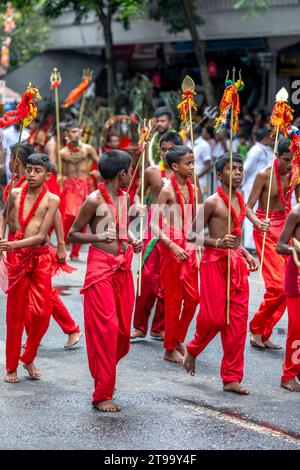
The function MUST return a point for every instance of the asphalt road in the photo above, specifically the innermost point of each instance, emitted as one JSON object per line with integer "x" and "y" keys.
{"x": 163, "y": 407}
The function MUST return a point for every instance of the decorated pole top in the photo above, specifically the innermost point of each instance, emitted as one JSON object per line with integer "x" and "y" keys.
{"x": 55, "y": 79}
{"x": 188, "y": 101}
{"x": 282, "y": 113}
{"x": 282, "y": 95}
{"x": 25, "y": 111}
{"x": 145, "y": 132}
{"x": 230, "y": 102}
{"x": 80, "y": 90}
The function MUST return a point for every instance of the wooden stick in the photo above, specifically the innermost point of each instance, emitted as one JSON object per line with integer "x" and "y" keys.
{"x": 58, "y": 137}
{"x": 268, "y": 206}
{"x": 195, "y": 181}
{"x": 142, "y": 218}
{"x": 229, "y": 211}
{"x": 82, "y": 106}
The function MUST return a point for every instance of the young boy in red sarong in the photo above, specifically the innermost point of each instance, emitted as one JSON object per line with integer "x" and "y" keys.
{"x": 178, "y": 262}
{"x": 31, "y": 213}
{"x": 291, "y": 366}
{"x": 274, "y": 302}
{"x": 75, "y": 158}
{"x": 108, "y": 288}
{"x": 60, "y": 312}
{"x": 211, "y": 319}
{"x": 155, "y": 179}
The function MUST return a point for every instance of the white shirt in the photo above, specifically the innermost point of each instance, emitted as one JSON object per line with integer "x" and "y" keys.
{"x": 202, "y": 154}
{"x": 258, "y": 157}
{"x": 11, "y": 137}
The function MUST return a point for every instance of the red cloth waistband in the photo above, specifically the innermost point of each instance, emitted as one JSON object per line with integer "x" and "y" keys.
{"x": 239, "y": 270}
{"x": 101, "y": 265}
{"x": 273, "y": 215}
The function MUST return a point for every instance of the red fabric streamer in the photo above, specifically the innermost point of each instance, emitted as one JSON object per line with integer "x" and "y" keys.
{"x": 26, "y": 110}
{"x": 77, "y": 92}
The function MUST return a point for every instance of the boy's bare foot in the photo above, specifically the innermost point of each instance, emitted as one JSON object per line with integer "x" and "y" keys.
{"x": 270, "y": 345}
{"x": 256, "y": 341}
{"x": 189, "y": 363}
{"x": 180, "y": 348}
{"x": 73, "y": 339}
{"x": 108, "y": 406}
{"x": 137, "y": 334}
{"x": 11, "y": 377}
{"x": 235, "y": 387}
{"x": 291, "y": 385}
{"x": 159, "y": 336}
{"x": 173, "y": 356}
{"x": 34, "y": 374}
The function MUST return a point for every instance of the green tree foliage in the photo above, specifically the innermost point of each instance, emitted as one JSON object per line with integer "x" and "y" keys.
{"x": 29, "y": 37}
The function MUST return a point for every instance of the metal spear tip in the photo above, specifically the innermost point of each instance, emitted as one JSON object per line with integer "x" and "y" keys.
{"x": 188, "y": 84}
{"x": 282, "y": 95}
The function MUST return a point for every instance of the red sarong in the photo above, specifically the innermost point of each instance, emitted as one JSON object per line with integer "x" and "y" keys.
{"x": 75, "y": 191}
{"x": 29, "y": 295}
{"x": 273, "y": 306}
{"x": 179, "y": 281}
{"x": 291, "y": 366}
{"x": 151, "y": 290}
{"x": 108, "y": 303}
{"x": 212, "y": 314}
{"x": 60, "y": 312}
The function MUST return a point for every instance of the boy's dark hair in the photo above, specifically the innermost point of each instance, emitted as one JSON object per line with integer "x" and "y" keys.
{"x": 39, "y": 159}
{"x": 262, "y": 133}
{"x": 175, "y": 154}
{"x": 221, "y": 162}
{"x": 112, "y": 162}
{"x": 72, "y": 125}
{"x": 283, "y": 146}
{"x": 171, "y": 136}
{"x": 210, "y": 130}
{"x": 163, "y": 111}
{"x": 25, "y": 150}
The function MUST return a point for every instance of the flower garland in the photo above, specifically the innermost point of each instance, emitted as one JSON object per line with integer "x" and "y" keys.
{"x": 15, "y": 183}
{"x": 24, "y": 222}
{"x": 179, "y": 195}
{"x": 73, "y": 148}
{"x": 238, "y": 220}
{"x": 286, "y": 201}
{"x": 109, "y": 202}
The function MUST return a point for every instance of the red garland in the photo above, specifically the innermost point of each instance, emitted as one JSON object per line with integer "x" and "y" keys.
{"x": 179, "y": 195}
{"x": 287, "y": 202}
{"x": 238, "y": 220}
{"x": 111, "y": 205}
{"x": 73, "y": 148}
{"x": 16, "y": 184}
{"x": 25, "y": 222}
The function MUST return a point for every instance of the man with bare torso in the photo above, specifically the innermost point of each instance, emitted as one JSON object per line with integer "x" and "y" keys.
{"x": 75, "y": 157}
{"x": 155, "y": 178}
{"x": 211, "y": 319}
{"x": 178, "y": 262}
{"x": 108, "y": 288}
{"x": 291, "y": 366}
{"x": 31, "y": 212}
{"x": 274, "y": 303}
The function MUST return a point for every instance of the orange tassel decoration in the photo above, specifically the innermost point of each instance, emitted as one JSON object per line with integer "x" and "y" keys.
{"x": 282, "y": 115}
{"x": 184, "y": 106}
{"x": 80, "y": 90}
{"x": 230, "y": 102}
{"x": 26, "y": 110}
